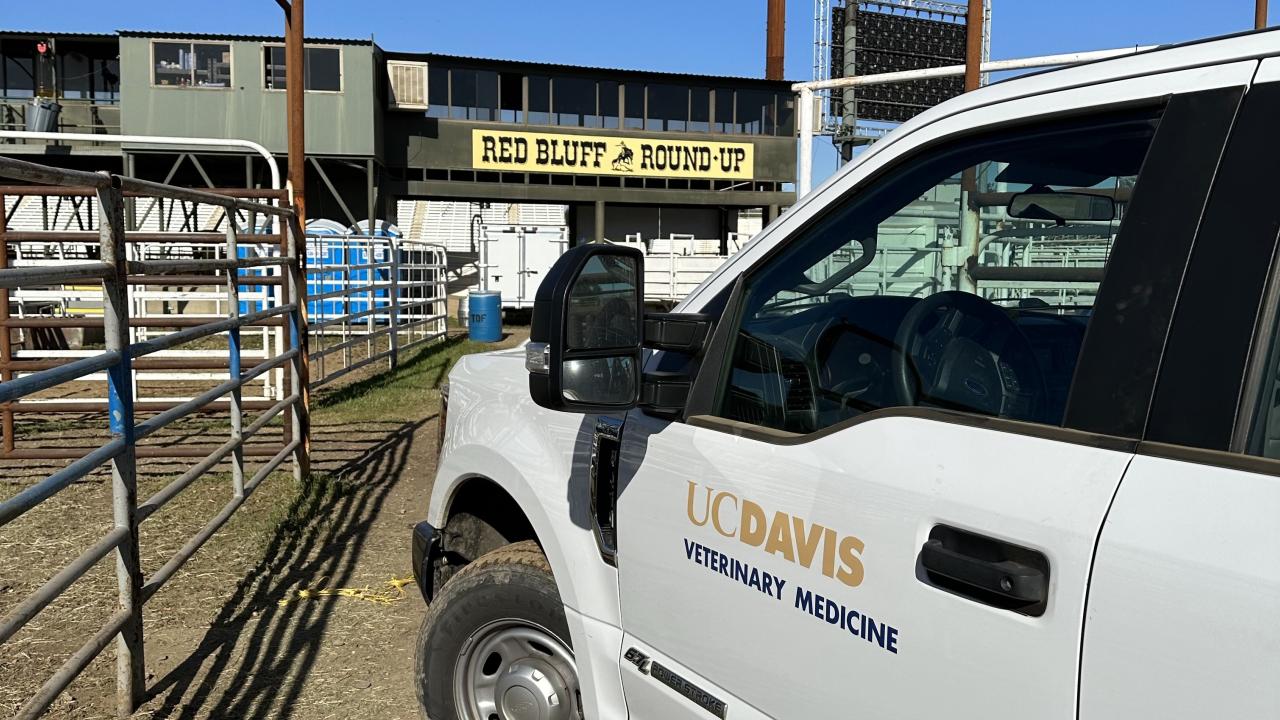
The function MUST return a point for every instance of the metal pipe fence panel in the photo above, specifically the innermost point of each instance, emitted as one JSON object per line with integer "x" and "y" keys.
{"x": 79, "y": 284}
{"x": 370, "y": 297}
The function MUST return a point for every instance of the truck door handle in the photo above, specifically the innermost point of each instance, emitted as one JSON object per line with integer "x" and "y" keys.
{"x": 986, "y": 570}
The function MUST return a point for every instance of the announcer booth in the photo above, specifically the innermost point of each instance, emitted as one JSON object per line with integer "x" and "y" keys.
{"x": 629, "y": 153}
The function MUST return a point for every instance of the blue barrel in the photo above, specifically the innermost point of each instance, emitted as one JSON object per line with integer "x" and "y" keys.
{"x": 484, "y": 321}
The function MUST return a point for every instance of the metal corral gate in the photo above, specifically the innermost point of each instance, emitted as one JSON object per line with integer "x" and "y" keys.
{"x": 121, "y": 357}
{"x": 370, "y": 298}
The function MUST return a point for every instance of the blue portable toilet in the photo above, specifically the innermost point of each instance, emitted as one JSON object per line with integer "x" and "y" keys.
{"x": 247, "y": 248}
{"x": 484, "y": 315}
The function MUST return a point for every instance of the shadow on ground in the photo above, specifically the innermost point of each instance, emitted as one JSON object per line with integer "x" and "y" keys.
{"x": 257, "y": 654}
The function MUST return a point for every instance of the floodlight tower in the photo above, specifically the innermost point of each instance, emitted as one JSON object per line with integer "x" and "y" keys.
{"x": 859, "y": 37}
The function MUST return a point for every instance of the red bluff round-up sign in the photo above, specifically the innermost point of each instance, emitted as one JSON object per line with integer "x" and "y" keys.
{"x": 610, "y": 155}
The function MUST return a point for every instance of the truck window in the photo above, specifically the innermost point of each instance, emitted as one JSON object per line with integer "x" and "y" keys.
{"x": 1264, "y": 436}
{"x": 870, "y": 307}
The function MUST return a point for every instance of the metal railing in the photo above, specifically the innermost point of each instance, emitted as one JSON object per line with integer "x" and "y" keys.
{"x": 123, "y": 354}
{"x": 369, "y": 298}
{"x": 198, "y": 298}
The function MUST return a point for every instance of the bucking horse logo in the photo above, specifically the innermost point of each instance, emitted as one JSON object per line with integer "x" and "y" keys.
{"x": 622, "y": 163}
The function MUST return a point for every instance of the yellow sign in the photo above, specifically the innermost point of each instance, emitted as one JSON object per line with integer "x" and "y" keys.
{"x": 610, "y": 155}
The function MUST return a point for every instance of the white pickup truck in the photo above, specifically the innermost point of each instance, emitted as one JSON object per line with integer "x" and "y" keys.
{"x": 1041, "y": 481}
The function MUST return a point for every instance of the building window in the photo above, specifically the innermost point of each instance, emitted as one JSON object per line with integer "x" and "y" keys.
{"x": 755, "y": 112}
{"x": 88, "y": 71}
{"x": 511, "y": 97}
{"x": 273, "y": 67}
{"x": 462, "y": 93}
{"x": 668, "y": 108}
{"x": 17, "y": 69}
{"x": 573, "y": 102}
{"x": 633, "y": 106}
{"x": 321, "y": 70}
{"x": 191, "y": 64}
{"x": 699, "y": 110}
{"x": 539, "y": 100}
{"x": 437, "y": 92}
{"x": 486, "y": 107}
{"x": 723, "y": 121}
{"x": 786, "y": 114}
{"x": 608, "y": 93}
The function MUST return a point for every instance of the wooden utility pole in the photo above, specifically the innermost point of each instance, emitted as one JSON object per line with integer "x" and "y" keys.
{"x": 775, "y": 39}
{"x": 294, "y": 93}
{"x": 973, "y": 45}
{"x": 1260, "y": 15}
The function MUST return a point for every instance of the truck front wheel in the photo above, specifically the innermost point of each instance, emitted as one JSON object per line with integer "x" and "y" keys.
{"x": 495, "y": 643}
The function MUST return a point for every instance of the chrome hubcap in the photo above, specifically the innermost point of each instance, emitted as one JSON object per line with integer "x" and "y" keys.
{"x": 515, "y": 670}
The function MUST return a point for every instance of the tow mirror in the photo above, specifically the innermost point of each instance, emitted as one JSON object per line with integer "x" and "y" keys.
{"x": 1062, "y": 207}
{"x": 584, "y": 344}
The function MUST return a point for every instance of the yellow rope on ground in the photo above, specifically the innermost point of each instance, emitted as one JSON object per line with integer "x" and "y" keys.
{"x": 381, "y": 597}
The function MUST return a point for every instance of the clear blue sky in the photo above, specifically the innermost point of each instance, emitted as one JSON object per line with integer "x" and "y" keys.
{"x": 719, "y": 37}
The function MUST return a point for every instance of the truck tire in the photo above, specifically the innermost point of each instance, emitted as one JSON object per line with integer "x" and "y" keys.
{"x": 495, "y": 643}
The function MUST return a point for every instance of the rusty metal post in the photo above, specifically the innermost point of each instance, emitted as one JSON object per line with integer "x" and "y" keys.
{"x": 295, "y": 91}
{"x": 300, "y": 372}
{"x": 775, "y": 40}
{"x": 973, "y": 45}
{"x": 295, "y": 232}
{"x": 130, "y": 666}
{"x": 6, "y": 340}
{"x": 970, "y": 221}
{"x": 1260, "y": 14}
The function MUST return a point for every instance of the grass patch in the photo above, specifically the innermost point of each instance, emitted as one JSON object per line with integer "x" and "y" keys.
{"x": 398, "y": 395}
{"x": 293, "y": 514}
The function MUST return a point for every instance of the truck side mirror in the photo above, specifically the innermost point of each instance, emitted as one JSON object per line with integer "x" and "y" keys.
{"x": 588, "y": 325}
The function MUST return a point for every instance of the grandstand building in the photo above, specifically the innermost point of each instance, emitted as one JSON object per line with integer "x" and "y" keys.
{"x": 431, "y": 143}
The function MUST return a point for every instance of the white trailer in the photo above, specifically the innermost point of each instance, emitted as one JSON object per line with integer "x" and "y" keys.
{"x": 514, "y": 259}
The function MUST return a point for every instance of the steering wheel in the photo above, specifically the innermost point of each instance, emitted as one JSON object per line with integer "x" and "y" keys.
{"x": 846, "y": 381}
{"x": 972, "y": 357}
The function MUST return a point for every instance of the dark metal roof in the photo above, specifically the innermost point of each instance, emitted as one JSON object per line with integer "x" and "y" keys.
{"x": 69, "y": 35}
{"x": 559, "y": 67}
{"x": 166, "y": 35}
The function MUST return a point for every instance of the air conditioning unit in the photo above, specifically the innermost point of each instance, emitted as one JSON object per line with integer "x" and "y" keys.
{"x": 408, "y": 84}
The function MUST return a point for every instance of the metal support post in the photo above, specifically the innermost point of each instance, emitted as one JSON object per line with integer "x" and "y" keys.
{"x": 804, "y": 178}
{"x": 233, "y": 363}
{"x": 130, "y": 676}
{"x": 970, "y": 232}
{"x": 599, "y": 222}
{"x": 1260, "y": 14}
{"x": 6, "y": 339}
{"x": 371, "y": 300}
{"x": 343, "y": 301}
{"x": 131, "y": 204}
{"x": 393, "y": 309}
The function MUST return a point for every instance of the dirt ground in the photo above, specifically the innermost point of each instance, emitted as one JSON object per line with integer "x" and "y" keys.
{"x": 229, "y": 636}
